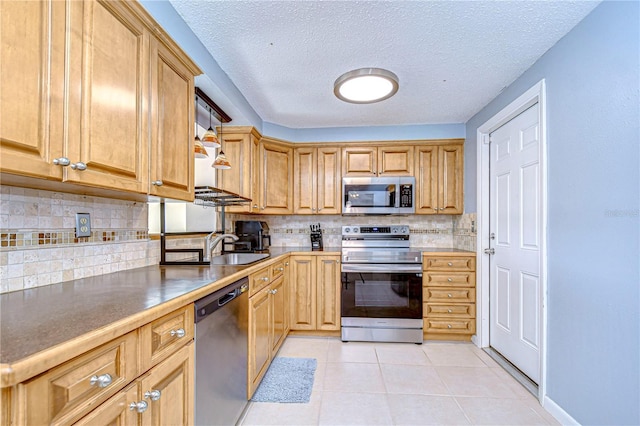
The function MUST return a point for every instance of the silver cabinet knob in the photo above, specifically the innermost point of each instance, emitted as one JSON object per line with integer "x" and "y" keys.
{"x": 450, "y": 264}
{"x": 154, "y": 395}
{"x": 449, "y": 279}
{"x": 101, "y": 381}
{"x": 449, "y": 295}
{"x": 286, "y": 263}
{"x": 178, "y": 333}
{"x": 280, "y": 269}
{"x": 157, "y": 183}
{"x": 62, "y": 161}
{"x": 255, "y": 206}
{"x": 265, "y": 278}
{"x": 448, "y": 325}
{"x": 435, "y": 209}
{"x": 320, "y": 209}
{"x": 274, "y": 291}
{"x": 449, "y": 310}
{"x": 140, "y": 407}
{"x": 79, "y": 166}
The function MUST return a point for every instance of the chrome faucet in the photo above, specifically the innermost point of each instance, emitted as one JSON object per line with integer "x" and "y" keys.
{"x": 211, "y": 243}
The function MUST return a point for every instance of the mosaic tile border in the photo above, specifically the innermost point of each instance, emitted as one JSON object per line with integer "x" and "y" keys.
{"x": 338, "y": 231}
{"x": 23, "y": 239}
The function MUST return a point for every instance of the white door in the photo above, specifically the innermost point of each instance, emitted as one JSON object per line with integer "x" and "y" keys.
{"x": 514, "y": 222}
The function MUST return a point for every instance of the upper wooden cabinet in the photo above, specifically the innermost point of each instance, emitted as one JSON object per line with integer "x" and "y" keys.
{"x": 240, "y": 145}
{"x": 316, "y": 180}
{"x": 275, "y": 175}
{"x": 93, "y": 90}
{"x": 32, "y": 80}
{"x": 439, "y": 179}
{"x": 377, "y": 161}
{"x": 172, "y": 118}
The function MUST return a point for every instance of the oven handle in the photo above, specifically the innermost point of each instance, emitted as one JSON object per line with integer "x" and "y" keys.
{"x": 384, "y": 268}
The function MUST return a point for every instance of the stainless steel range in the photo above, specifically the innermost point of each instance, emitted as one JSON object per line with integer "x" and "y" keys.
{"x": 381, "y": 285}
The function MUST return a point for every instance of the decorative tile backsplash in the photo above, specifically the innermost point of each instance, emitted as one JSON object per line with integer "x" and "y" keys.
{"x": 293, "y": 231}
{"x": 465, "y": 232}
{"x": 38, "y": 245}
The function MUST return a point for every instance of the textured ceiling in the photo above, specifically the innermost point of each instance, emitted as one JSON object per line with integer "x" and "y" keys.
{"x": 451, "y": 57}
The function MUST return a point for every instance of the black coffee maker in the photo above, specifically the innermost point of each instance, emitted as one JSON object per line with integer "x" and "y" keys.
{"x": 253, "y": 236}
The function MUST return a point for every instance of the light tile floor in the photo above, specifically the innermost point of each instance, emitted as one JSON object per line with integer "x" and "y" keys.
{"x": 401, "y": 384}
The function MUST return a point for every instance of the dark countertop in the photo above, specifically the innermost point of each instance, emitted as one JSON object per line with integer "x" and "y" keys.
{"x": 37, "y": 319}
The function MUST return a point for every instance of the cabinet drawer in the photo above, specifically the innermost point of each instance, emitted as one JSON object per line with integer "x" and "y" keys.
{"x": 451, "y": 294}
{"x": 450, "y": 325}
{"x": 259, "y": 280}
{"x": 460, "y": 263}
{"x": 461, "y": 310}
{"x": 452, "y": 279}
{"x": 277, "y": 269}
{"x": 167, "y": 334}
{"x": 65, "y": 393}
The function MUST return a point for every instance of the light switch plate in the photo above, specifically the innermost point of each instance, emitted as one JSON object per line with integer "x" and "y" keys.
{"x": 83, "y": 225}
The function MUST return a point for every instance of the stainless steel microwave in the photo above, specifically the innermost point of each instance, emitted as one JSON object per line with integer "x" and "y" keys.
{"x": 378, "y": 195}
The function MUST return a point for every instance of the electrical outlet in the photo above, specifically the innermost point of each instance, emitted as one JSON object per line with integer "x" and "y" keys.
{"x": 83, "y": 225}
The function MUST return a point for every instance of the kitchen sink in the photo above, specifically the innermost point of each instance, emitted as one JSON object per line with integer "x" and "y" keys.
{"x": 238, "y": 258}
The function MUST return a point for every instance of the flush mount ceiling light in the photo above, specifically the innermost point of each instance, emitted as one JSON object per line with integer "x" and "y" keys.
{"x": 366, "y": 85}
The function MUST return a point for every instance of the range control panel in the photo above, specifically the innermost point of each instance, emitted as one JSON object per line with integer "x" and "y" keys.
{"x": 375, "y": 230}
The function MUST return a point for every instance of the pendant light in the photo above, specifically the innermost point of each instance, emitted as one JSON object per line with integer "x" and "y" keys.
{"x": 221, "y": 161}
{"x": 210, "y": 139}
{"x": 198, "y": 147}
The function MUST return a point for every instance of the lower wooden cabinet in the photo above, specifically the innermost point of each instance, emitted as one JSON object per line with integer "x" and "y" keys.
{"x": 315, "y": 292}
{"x": 268, "y": 324}
{"x": 449, "y": 296}
{"x": 144, "y": 377}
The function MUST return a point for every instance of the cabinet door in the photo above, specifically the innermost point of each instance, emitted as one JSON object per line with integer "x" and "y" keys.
{"x": 259, "y": 344}
{"x": 277, "y": 183}
{"x": 162, "y": 337}
{"x": 451, "y": 169}
{"x": 359, "y": 161}
{"x": 329, "y": 181}
{"x": 238, "y": 146}
{"x": 305, "y": 180}
{"x": 115, "y": 411}
{"x": 426, "y": 166}
{"x": 303, "y": 292}
{"x": 172, "y": 118}
{"x": 279, "y": 307}
{"x": 32, "y": 81}
{"x": 328, "y": 293}
{"x": 174, "y": 378}
{"x": 395, "y": 161}
{"x": 108, "y": 99}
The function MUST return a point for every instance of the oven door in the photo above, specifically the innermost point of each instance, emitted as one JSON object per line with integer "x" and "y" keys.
{"x": 381, "y": 291}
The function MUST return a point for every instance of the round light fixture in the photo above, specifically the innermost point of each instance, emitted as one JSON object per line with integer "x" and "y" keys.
{"x": 366, "y": 85}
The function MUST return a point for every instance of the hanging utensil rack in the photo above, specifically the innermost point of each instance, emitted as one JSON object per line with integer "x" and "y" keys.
{"x": 205, "y": 196}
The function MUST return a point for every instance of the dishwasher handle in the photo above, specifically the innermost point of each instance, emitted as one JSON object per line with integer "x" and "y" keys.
{"x": 216, "y": 300}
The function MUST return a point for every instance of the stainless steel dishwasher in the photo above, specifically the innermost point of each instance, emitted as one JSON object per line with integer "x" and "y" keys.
{"x": 221, "y": 355}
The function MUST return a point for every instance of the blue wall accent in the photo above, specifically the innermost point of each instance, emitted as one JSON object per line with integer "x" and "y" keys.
{"x": 593, "y": 117}
{"x": 371, "y": 133}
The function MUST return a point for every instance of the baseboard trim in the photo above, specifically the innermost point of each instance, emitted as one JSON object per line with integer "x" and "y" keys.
{"x": 558, "y": 413}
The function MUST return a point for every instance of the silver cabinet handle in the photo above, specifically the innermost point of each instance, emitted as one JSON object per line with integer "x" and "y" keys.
{"x": 255, "y": 206}
{"x": 154, "y": 395}
{"x": 265, "y": 278}
{"x": 320, "y": 209}
{"x": 435, "y": 209}
{"x": 178, "y": 333}
{"x": 449, "y": 295}
{"x": 449, "y": 310}
{"x": 274, "y": 291}
{"x": 101, "y": 381}
{"x": 449, "y": 279}
{"x": 79, "y": 166}
{"x": 448, "y": 325}
{"x": 157, "y": 183}
{"x": 286, "y": 263}
{"x": 280, "y": 269}
{"x": 140, "y": 407}
{"x": 62, "y": 161}
{"x": 450, "y": 264}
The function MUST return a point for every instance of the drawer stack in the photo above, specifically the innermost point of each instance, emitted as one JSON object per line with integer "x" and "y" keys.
{"x": 449, "y": 296}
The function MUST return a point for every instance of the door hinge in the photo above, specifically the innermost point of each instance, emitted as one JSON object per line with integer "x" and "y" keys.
{"x": 489, "y": 251}
{"x": 486, "y": 139}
